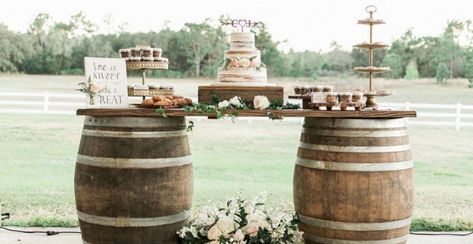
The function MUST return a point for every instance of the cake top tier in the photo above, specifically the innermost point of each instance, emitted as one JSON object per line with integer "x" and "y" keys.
{"x": 242, "y": 41}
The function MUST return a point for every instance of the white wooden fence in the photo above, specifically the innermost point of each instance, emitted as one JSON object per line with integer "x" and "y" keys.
{"x": 453, "y": 115}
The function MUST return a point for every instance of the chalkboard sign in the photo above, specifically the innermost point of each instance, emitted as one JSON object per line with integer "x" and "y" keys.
{"x": 108, "y": 77}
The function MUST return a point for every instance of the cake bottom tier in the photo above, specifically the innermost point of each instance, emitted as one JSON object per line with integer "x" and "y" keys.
{"x": 236, "y": 76}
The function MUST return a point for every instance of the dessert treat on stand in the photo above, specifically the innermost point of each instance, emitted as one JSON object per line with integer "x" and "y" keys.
{"x": 157, "y": 52}
{"x": 357, "y": 99}
{"x": 331, "y": 100}
{"x": 345, "y": 100}
{"x": 327, "y": 88}
{"x": 147, "y": 54}
{"x": 135, "y": 54}
{"x": 242, "y": 74}
{"x": 125, "y": 53}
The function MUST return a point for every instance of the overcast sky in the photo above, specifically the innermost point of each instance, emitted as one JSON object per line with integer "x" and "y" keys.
{"x": 305, "y": 24}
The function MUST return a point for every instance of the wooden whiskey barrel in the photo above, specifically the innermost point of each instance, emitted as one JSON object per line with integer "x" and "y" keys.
{"x": 133, "y": 179}
{"x": 353, "y": 181}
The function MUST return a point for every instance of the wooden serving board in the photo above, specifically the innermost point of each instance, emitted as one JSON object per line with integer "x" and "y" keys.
{"x": 247, "y": 93}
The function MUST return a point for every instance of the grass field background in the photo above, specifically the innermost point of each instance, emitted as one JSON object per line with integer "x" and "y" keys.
{"x": 37, "y": 156}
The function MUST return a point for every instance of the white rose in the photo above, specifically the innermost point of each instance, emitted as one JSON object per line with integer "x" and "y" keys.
{"x": 261, "y": 102}
{"x": 251, "y": 229}
{"x": 204, "y": 219}
{"x": 245, "y": 63}
{"x": 223, "y": 104}
{"x": 239, "y": 236}
{"x": 214, "y": 233}
{"x": 235, "y": 101}
{"x": 226, "y": 225}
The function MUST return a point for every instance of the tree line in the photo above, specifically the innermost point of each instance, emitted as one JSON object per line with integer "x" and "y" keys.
{"x": 50, "y": 47}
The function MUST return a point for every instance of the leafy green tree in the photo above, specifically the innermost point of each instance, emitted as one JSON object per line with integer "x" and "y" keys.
{"x": 200, "y": 39}
{"x": 274, "y": 59}
{"x": 442, "y": 72}
{"x": 469, "y": 69}
{"x": 16, "y": 48}
{"x": 411, "y": 71}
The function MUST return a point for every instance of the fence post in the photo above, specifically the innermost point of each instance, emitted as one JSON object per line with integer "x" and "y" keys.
{"x": 46, "y": 102}
{"x": 458, "y": 117}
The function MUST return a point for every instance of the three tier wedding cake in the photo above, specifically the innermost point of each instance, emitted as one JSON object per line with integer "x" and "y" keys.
{"x": 242, "y": 74}
{"x": 242, "y": 63}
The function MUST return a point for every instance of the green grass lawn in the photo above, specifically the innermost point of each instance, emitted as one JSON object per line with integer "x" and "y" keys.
{"x": 37, "y": 156}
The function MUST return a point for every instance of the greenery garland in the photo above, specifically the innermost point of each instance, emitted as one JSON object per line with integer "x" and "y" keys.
{"x": 231, "y": 111}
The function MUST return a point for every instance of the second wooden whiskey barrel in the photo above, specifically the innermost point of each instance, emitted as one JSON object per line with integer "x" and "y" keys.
{"x": 133, "y": 180}
{"x": 353, "y": 181}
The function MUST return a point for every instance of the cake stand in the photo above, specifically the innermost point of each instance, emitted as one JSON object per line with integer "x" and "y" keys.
{"x": 370, "y": 70}
{"x": 144, "y": 66}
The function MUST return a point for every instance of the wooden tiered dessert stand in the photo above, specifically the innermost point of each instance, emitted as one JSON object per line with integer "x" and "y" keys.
{"x": 144, "y": 66}
{"x": 371, "y": 69}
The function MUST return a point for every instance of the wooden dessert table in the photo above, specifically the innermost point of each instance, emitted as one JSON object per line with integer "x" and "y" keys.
{"x": 353, "y": 177}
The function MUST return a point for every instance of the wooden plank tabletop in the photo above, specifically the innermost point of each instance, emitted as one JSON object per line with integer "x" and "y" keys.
{"x": 149, "y": 112}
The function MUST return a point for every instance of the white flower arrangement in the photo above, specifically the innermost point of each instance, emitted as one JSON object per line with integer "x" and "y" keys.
{"x": 261, "y": 102}
{"x": 239, "y": 222}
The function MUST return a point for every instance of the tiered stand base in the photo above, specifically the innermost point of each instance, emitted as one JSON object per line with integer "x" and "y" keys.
{"x": 247, "y": 93}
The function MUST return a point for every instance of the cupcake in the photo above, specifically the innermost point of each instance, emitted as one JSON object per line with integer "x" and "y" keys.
{"x": 345, "y": 99}
{"x": 135, "y": 54}
{"x": 157, "y": 52}
{"x": 124, "y": 53}
{"x": 327, "y": 88}
{"x": 146, "y": 54}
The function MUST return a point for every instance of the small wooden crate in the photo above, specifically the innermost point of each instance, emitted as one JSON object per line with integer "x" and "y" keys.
{"x": 247, "y": 93}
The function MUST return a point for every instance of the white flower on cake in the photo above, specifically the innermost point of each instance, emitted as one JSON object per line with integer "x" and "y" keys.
{"x": 223, "y": 104}
{"x": 234, "y": 64}
{"x": 245, "y": 63}
{"x": 235, "y": 101}
{"x": 261, "y": 102}
{"x": 255, "y": 64}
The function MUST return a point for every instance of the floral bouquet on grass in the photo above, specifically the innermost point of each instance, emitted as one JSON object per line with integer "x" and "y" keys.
{"x": 239, "y": 222}
{"x": 89, "y": 88}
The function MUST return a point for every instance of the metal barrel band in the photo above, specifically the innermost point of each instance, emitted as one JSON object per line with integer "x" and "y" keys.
{"x": 133, "y": 222}
{"x": 319, "y": 239}
{"x": 133, "y": 163}
{"x": 350, "y": 226}
{"x": 348, "y": 133}
{"x": 366, "y": 167}
{"x": 356, "y": 123}
{"x": 355, "y": 149}
{"x": 134, "y": 134}
{"x": 135, "y": 122}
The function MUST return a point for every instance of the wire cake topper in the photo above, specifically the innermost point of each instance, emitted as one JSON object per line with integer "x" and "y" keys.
{"x": 241, "y": 23}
